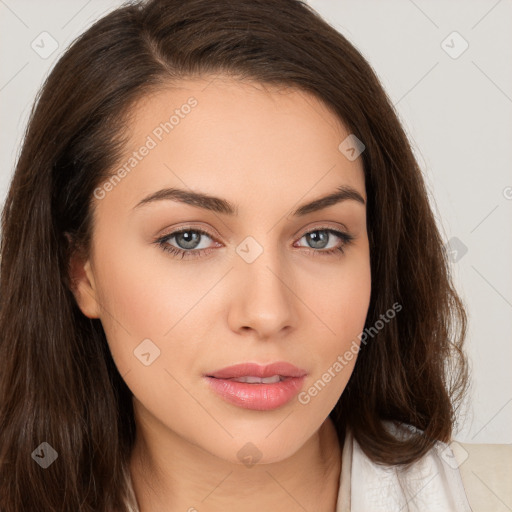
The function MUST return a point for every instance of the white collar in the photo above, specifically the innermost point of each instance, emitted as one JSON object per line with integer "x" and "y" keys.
{"x": 432, "y": 484}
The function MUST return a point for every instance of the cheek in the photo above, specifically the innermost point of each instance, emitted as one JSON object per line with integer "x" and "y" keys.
{"x": 336, "y": 342}
{"x": 146, "y": 296}
{"x": 139, "y": 288}
{"x": 135, "y": 302}
{"x": 341, "y": 308}
{"x": 352, "y": 307}
{"x": 341, "y": 299}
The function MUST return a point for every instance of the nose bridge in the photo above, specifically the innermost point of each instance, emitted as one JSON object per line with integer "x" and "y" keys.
{"x": 264, "y": 300}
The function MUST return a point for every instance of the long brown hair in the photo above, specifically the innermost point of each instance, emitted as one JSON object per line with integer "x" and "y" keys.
{"x": 58, "y": 382}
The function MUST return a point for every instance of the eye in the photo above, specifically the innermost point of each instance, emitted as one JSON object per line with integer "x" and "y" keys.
{"x": 191, "y": 242}
{"x": 321, "y": 239}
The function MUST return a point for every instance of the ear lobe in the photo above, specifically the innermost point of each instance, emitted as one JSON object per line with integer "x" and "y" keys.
{"x": 83, "y": 285}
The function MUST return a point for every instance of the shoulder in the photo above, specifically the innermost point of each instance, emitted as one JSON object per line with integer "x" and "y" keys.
{"x": 450, "y": 477}
{"x": 486, "y": 471}
{"x": 431, "y": 483}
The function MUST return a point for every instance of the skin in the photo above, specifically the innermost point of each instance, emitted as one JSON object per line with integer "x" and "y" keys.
{"x": 268, "y": 151}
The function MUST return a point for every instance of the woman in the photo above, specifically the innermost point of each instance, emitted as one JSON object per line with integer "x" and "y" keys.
{"x": 222, "y": 284}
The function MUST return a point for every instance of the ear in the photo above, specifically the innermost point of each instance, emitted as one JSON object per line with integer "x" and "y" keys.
{"x": 83, "y": 284}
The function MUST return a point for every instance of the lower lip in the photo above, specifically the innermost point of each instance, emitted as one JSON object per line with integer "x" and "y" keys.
{"x": 259, "y": 397}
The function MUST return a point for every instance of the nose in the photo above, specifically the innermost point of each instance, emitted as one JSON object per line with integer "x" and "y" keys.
{"x": 263, "y": 300}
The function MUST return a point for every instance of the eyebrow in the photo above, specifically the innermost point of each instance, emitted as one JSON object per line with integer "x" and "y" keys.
{"x": 219, "y": 205}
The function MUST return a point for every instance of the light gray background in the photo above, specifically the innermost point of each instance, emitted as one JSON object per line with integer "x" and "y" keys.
{"x": 457, "y": 112}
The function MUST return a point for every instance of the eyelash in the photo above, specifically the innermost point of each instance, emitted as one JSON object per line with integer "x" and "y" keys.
{"x": 193, "y": 253}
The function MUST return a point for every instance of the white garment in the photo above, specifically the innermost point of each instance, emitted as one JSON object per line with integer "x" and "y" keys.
{"x": 432, "y": 484}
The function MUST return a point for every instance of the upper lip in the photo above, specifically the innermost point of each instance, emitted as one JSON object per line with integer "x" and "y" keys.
{"x": 255, "y": 370}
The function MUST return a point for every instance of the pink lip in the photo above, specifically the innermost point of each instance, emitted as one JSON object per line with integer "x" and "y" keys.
{"x": 256, "y": 370}
{"x": 261, "y": 397}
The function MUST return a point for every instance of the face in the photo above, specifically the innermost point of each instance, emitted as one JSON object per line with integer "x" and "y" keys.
{"x": 186, "y": 285}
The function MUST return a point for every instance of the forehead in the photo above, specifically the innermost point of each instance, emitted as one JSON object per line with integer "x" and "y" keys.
{"x": 242, "y": 138}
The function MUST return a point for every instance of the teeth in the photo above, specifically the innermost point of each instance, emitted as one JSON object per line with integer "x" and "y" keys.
{"x": 258, "y": 380}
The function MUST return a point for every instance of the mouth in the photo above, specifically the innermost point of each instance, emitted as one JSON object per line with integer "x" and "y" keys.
{"x": 252, "y": 386}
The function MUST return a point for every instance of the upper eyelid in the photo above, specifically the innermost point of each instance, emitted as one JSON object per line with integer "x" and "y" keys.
{"x": 325, "y": 228}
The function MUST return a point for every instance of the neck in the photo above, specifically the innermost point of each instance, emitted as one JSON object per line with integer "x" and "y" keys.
{"x": 172, "y": 474}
